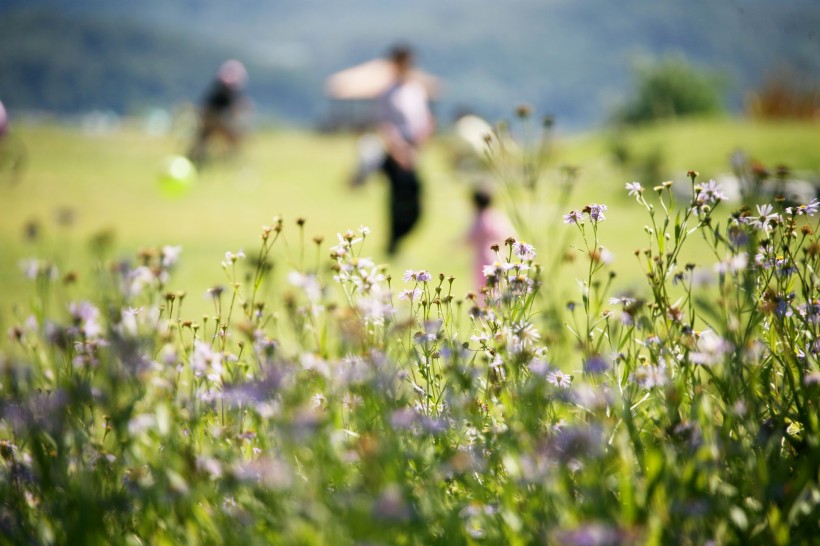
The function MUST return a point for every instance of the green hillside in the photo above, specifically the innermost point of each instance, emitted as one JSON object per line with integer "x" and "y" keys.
{"x": 574, "y": 59}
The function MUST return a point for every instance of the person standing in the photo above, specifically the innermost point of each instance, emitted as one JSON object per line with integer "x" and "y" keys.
{"x": 490, "y": 227}
{"x": 223, "y": 111}
{"x": 12, "y": 149}
{"x": 405, "y": 124}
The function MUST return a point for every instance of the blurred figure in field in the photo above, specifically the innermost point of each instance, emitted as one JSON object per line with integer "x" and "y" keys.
{"x": 405, "y": 124}
{"x": 4, "y": 121}
{"x": 224, "y": 112}
{"x": 370, "y": 158}
{"x": 12, "y": 150}
{"x": 490, "y": 227}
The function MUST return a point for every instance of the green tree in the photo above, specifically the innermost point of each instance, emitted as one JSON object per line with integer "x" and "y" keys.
{"x": 672, "y": 87}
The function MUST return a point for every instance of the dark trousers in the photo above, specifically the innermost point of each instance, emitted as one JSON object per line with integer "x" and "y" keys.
{"x": 405, "y": 201}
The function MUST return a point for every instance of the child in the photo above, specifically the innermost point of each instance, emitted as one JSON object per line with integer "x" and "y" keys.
{"x": 489, "y": 227}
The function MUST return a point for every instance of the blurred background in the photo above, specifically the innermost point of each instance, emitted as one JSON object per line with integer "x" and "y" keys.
{"x": 576, "y": 60}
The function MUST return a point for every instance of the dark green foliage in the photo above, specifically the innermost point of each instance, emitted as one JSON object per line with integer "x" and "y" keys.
{"x": 672, "y": 87}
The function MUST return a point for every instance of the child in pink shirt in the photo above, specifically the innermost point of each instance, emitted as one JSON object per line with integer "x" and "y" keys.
{"x": 489, "y": 227}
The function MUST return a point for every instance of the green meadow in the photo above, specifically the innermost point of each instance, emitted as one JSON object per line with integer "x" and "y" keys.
{"x": 582, "y": 400}
{"x": 80, "y": 187}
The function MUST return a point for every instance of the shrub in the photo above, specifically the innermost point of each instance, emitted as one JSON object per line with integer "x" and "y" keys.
{"x": 671, "y": 87}
{"x": 784, "y": 95}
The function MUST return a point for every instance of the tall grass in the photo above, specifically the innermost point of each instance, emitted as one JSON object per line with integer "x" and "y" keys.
{"x": 344, "y": 401}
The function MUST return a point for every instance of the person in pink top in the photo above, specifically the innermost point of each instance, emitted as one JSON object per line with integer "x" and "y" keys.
{"x": 489, "y": 227}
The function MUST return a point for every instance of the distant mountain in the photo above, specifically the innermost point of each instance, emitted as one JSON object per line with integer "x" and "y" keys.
{"x": 68, "y": 63}
{"x": 571, "y": 58}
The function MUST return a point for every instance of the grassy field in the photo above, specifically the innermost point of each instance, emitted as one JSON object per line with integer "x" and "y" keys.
{"x": 684, "y": 415}
{"x": 78, "y": 186}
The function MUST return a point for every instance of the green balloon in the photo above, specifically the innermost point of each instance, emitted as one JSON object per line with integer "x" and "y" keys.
{"x": 178, "y": 176}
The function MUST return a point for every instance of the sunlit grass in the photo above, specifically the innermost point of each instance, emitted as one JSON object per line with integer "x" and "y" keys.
{"x": 108, "y": 184}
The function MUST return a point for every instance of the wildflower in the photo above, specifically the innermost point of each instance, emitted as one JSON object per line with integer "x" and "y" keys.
{"x": 711, "y": 348}
{"x": 209, "y": 465}
{"x": 364, "y": 230}
{"x": 778, "y": 303}
{"x": 559, "y": 379}
{"x": 493, "y": 270}
{"x": 526, "y": 333}
{"x": 601, "y": 255}
{"x": 314, "y": 363}
{"x": 634, "y": 188}
{"x": 733, "y": 264}
{"x": 308, "y": 283}
{"x": 574, "y": 217}
{"x": 812, "y": 207}
{"x": 33, "y": 268}
{"x": 87, "y": 317}
{"x": 391, "y": 506}
{"x": 784, "y": 267}
{"x": 339, "y": 251}
{"x": 521, "y": 284}
{"x": 650, "y": 376}
{"x": 230, "y": 257}
{"x": 764, "y": 219}
{"x": 423, "y": 276}
{"x": 523, "y": 111}
{"x": 375, "y": 308}
{"x": 591, "y": 398}
{"x": 271, "y": 473}
{"x": 403, "y": 419}
{"x": 497, "y": 365}
{"x": 596, "y": 212}
{"x": 810, "y": 311}
{"x": 709, "y": 194}
{"x": 481, "y": 339}
{"x": 424, "y": 337}
{"x": 523, "y": 250}
{"x": 417, "y": 276}
{"x": 595, "y": 365}
{"x": 206, "y": 362}
{"x": 138, "y": 279}
{"x": 128, "y": 321}
{"x": 318, "y": 400}
{"x": 141, "y": 423}
{"x": 573, "y": 442}
{"x": 539, "y": 367}
{"x": 623, "y": 300}
{"x": 170, "y": 256}
{"x": 809, "y": 209}
{"x": 410, "y": 295}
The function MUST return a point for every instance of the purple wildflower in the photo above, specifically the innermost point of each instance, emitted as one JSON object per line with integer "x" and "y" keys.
{"x": 596, "y": 212}
{"x": 709, "y": 193}
{"x": 634, "y": 188}
{"x": 595, "y": 365}
{"x": 523, "y": 250}
{"x": 574, "y": 217}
